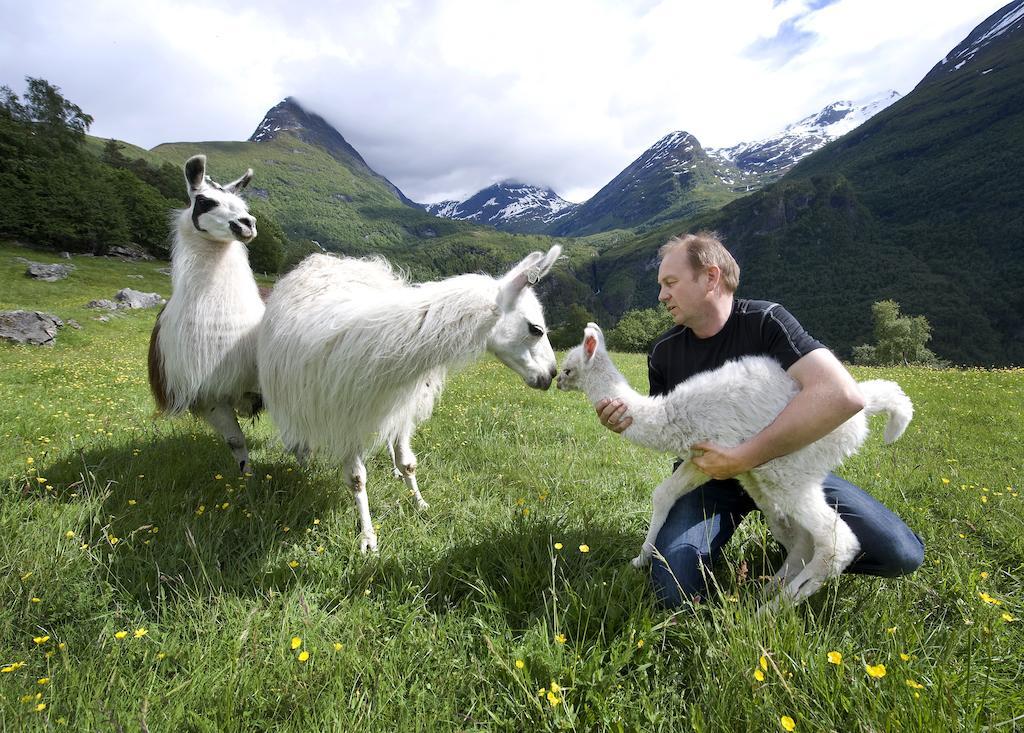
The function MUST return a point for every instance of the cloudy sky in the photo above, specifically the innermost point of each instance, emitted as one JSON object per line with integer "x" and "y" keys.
{"x": 445, "y": 97}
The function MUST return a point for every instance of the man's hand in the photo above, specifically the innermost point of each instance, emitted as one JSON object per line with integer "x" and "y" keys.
{"x": 718, "y": 462}
{"x": 612, "y": 414}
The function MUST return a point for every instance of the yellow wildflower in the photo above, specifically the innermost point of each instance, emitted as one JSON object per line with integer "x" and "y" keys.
{"x": 1008, "y": 618}
{"x": 915, "y": 685}
{"x": 835, "y": 658}
{"x": 296, "y": 642}
{"x": 120, "y": 634}
{"x": 40, "y": 707}
{"x": 560, "y": 638}
{"x": 640, "y": 644}
{"x": 759, "y": 675}
{"x": 584, "y": 548}
{"x": 989, "y": 599}
{"x": 338, "y": 646}
{"x": 40, "y": 639}
{"x": 520, "y": 664}
{"x": 891, "y": 629}
{"x": 69, "y": 534}
{"x": 763, "y": 661}
{"x": 12, "y": 667}
{"x": 303, "y": 656}
{"x": 558, "y": 545}
{"x": 875, "y": 670}
{"x": 904, "y": 657}
{"x": 42, "y": 680}
{"x": 787, "y": 722}
{"x": 140, "y": 632}
{"x": 293, "y": 564}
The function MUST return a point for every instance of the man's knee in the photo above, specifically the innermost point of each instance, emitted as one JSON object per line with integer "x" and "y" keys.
{"x": 909, "y": 556}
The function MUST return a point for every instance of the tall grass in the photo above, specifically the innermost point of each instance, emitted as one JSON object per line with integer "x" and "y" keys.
{"x": 484, "y": 612}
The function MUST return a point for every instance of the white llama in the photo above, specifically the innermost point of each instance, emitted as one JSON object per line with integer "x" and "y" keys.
{"x": 728, "y": 405}
{"x": 202, "y": 353}
{"x": 350, "y": 355}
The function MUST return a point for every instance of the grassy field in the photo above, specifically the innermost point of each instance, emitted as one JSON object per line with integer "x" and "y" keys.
{"x": 147, "y": 587}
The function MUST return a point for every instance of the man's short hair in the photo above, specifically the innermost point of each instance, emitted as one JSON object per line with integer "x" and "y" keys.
{"x": 704, "y": 249}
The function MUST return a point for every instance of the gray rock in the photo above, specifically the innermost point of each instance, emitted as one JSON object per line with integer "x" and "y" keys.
{"x": 47, "y": 273}
{"x": 129, "y": 298}
{"x": 130, "y": 252}
{"x": 104, "y": 303}
{"x": 29, "y": 327}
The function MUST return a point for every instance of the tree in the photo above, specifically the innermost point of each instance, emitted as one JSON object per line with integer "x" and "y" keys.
{"x": 638, "y": 330}
{"x": 61, "y": 120}
{"x": 266, "y": 251}
{"x": 899, "y": 339}
{"x": 570, "y": 332}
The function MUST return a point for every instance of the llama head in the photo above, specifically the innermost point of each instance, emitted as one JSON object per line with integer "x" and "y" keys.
{"x": 218, "y": 213}
{"x": 581, "y": 359}
{"x": 520, "y": 338}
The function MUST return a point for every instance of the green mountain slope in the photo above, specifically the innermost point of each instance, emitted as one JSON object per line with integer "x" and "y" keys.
{"x": 920, "y": 205}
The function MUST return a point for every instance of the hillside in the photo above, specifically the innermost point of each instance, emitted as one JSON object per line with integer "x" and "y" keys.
{"x": 919, "y": 204}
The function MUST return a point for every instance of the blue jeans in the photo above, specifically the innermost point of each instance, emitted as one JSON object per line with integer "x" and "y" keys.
{"x": 701, "y": 522}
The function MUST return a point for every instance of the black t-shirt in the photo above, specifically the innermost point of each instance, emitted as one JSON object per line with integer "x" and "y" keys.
{"x": 755, "y": 328}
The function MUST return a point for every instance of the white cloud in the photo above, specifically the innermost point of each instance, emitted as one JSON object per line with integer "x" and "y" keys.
{"x": 446, "y": 97}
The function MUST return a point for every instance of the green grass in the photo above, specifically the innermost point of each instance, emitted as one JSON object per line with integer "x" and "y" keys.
{"x": 121, "y": 522}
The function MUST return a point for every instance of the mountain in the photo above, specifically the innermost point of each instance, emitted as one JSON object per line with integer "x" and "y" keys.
{"x": 510, "y": 206}
{"x": 764, "y": 161}
{"x": 673, "y": 178}
{"x": 920, "y": 204}
{"x": 288, "y": 116}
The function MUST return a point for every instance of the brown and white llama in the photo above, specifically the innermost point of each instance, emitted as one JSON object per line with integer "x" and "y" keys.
{"x": 202, "y": 353}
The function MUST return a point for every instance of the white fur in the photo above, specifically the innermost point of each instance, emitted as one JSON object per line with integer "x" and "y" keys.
{"x": 350, "y": 355}
{"x": 727, "y": 406}
{"x": 207, "y": 331}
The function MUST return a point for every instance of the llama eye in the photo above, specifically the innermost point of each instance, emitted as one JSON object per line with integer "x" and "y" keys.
{"x": 536, "y": 330}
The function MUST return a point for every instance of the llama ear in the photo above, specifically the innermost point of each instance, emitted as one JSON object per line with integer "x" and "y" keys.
{"x": 592, "y": 339}
{"x": 195, "y": 172}
{"x": 236, "y": 186}
{"x": 543, "y": 267}
{"x": 516, "y": 279}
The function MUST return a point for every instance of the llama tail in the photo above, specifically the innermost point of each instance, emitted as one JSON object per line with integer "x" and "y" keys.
{"x": 881, "y": 395}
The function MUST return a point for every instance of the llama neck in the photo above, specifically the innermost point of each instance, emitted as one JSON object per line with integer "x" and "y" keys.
{"x": 603, "y": 381}
{"x": 446, "y": 323}
{"x": 201, "y": 265}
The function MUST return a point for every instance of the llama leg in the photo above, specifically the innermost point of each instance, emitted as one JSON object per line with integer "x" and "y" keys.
{"x": 799, "y": 548}
{"x": 222, "y": 418}
{"x": 833, "y": 548}
{"x": 406, "y": 464}
{"x": 355, "y": 478}
{"x": 394, "y": 462}
{"x": 683, "y": 480}
{"x": 301, "y": 453}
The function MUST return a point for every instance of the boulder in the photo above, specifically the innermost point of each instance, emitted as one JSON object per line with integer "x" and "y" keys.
{"x": 29, "y": 327}
{"x": 129, "y": 298}
{"x": 48, "y": 273}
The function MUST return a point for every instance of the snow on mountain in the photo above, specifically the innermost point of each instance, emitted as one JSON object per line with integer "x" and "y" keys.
{"x": 1008, "y": 18}
{"x": 509, "y": 205}
{"x": 770, "y": 157}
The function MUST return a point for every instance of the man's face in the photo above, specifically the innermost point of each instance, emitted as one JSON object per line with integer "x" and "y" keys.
{"x": 682, "y": 290}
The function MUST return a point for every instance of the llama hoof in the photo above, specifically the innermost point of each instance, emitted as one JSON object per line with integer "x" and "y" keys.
{"x": 396, "y": 473}
{"x": 368, "y": 542}
{"x": 422, "y": 505}
{"x": 640, "y": 561}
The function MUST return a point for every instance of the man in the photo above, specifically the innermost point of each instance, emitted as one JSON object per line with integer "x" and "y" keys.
{"x": 698, "y": 278}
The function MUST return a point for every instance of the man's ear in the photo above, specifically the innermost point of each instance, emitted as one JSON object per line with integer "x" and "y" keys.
{"x": 714, "y": 274}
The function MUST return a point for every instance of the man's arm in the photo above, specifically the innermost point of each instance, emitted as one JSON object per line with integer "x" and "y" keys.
{"x": 828, "y": 397}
